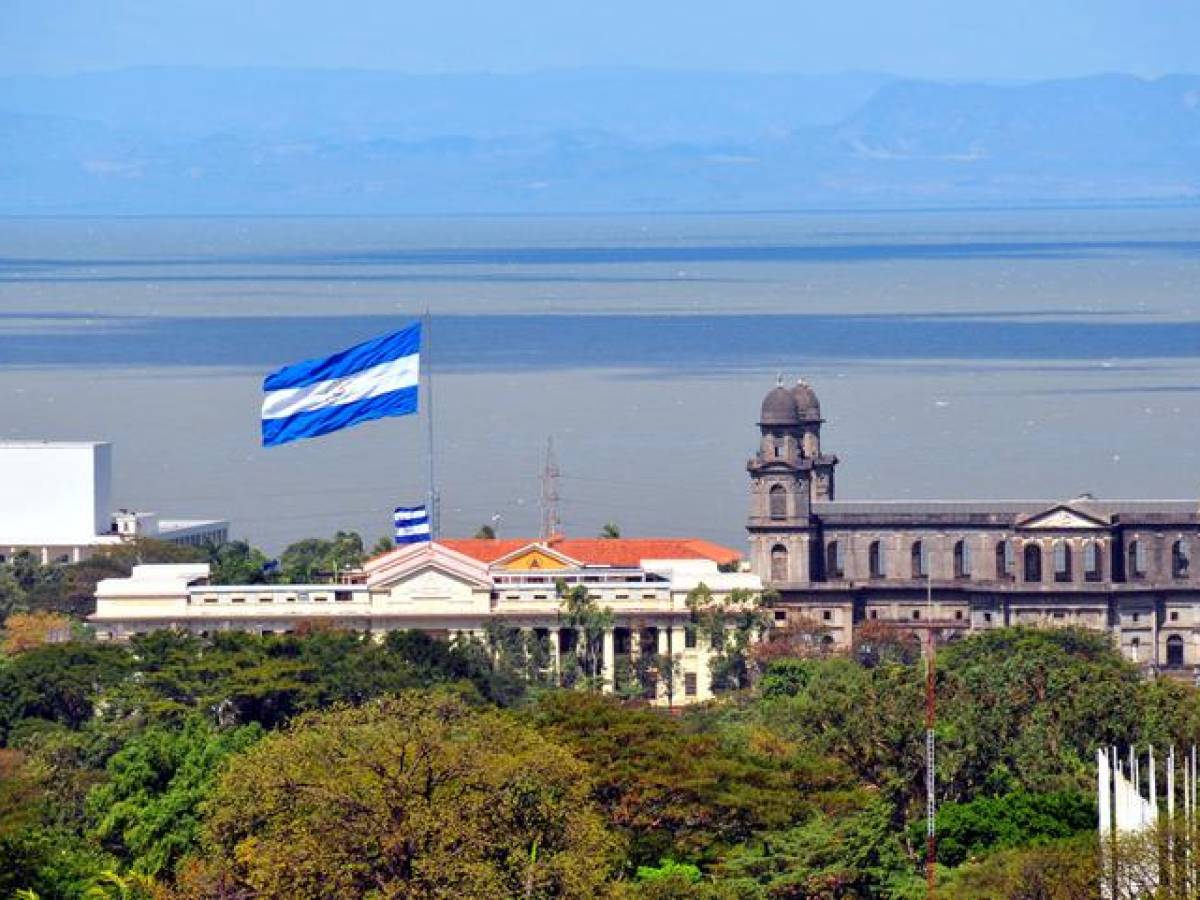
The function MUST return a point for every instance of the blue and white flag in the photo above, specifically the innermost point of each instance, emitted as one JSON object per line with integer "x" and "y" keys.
{"x": 369, "y": 381}
{"x": 412, "y": 524}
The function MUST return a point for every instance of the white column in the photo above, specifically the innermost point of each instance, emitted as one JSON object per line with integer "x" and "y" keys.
{"x": 609, "y": 664}
{"x": 664, "y": 652}
{"x": 556, "y": 654}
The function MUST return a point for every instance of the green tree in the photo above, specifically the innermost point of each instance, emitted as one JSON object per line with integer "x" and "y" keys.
{"x": 58, "y": 683}
{"x": 148, "y": 809}
{"x": 385, "y": 544}
{"x": 315, "y": 559}
{"x": 304, "y": 561}
{"x": 50, "y": 863}
{"x": 485, "y": 533}
{"x": 1019, "y": 819}
{"x": 672, "y": 791}
{"x": 236, "y": 562}
{"x": 12, "y": 595}
{"x": 1064, "y": 870}
{"x": 731, "y": 625}
{"x": 1026, "y": 708}
{"x": 855, "y": 853}
{"x": 582, "y": 615}
{"x": 346, "y": 551}
{"x": 142, "y": 550}
{"x": 413, "y": 796}
{"x": 610, "y": 531}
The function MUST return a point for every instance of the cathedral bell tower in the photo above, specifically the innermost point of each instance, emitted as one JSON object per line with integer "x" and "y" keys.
{"x": 787, "y": 474}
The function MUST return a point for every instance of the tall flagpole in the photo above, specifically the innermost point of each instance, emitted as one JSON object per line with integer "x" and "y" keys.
{"x": 432, "y": 494}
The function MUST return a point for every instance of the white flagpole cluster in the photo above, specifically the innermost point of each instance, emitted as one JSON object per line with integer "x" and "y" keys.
{"x": 1124, "y": 811}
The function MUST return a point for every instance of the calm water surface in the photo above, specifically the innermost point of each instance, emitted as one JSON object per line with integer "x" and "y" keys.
{"x": 982, "y": 354}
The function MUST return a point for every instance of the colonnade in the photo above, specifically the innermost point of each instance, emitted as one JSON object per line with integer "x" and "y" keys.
{"x": 669, "y": 640}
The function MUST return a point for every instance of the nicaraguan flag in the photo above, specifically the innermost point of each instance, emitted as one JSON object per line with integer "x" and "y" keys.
{"x": 368, "y": 381}
{"x": 412, "y": 524}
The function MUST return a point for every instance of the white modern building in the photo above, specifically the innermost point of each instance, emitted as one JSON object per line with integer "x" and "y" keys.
{"x": 457, "y": 588}
{"x": 55, "y": 500}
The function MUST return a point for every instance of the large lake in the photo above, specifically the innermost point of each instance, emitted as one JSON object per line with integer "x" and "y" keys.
{"x": 984, "y": 354}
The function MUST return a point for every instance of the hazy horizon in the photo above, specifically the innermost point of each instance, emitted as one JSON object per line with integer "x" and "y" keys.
{"x": 1023, "y": 39}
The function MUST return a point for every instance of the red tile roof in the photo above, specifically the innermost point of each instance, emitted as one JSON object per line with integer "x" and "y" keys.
{"x": 615, "y": 552}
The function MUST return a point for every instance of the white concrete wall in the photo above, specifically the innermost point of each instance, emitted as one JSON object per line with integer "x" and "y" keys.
{"x": 53, "y": 494}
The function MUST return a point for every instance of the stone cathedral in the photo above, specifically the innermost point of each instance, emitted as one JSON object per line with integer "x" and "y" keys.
{"x": 957, "y": 566}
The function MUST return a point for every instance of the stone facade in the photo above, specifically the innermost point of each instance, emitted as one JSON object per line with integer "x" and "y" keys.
{"x": 1121, "y": 566}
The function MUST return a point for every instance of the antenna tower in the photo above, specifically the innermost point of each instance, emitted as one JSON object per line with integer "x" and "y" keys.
{"x": 548, "y": 501}
{"x": 930, "y": 749}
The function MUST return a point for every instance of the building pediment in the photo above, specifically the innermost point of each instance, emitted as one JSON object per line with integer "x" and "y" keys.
{"x": 536, "y": 557}
{"x": 417, "y": 561}
{"x": 1062, "y": 517}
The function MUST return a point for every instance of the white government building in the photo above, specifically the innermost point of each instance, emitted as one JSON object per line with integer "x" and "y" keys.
{"x": 54, "y": 501}
{"x": 454, "y": 588}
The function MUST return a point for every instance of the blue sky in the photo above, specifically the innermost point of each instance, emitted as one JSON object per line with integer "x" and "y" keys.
{"x": 924, "y": 38}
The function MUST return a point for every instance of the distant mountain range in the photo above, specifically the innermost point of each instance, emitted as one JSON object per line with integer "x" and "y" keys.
{"x": 191, "y": 140}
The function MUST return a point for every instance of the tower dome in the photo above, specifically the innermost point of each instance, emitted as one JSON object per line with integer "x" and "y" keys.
{"x": 808, "y": 407}
{"x": 779, "y": 408}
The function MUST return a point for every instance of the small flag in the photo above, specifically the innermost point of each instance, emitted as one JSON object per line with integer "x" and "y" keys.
{"x": 368, "y": 381}
{"x": 412, "y": 524}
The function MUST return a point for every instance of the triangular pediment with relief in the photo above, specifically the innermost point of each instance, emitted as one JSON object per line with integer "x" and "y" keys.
{"x": 1060, "y": 518}
{"x": 426, "y": 563}
{"x": 536, "y": 557}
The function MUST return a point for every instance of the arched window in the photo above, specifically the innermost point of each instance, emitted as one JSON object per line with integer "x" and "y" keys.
{"x": 962, "y": 559}
{"x": 1093, "y": 561}
{"x": 778, "y": 501}
{"x": 1062, "y": 561}
{"x": 877, "y": 560}
{"x": 1033, "y": 562}
{"x": 1004, "y": 560}
{"x": 1174, "y": 650}
{"x": 1136, "y": 561}
{"x": 779, "y": 563}
{"x": 834, "y": 566}
{"x": 920, "y": 568}
{"x": 1180, "y": 559}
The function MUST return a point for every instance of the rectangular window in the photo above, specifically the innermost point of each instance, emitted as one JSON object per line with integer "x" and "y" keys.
{"x": 780, "y": 615}
{"x": 874, "y": 614}
{"x": 827, "y": 615}
{"x": 210, "y": 599}
{"x": 958, "y": 614}
{"x": 342, "y": 596}
{"x": 916, "y": 614}
{"x": 647, "y": 596}
{"x": 689, "y": 637}
{"x": 622, "y": 597}
{"x": 1136, "y": 616}
{"x": 237, "y": 599}
{"x": 987, "y": 617}
{"x": 1174, "y": 616}
{"x": 266, "y": 599}
{"x": 689, "y": 684}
